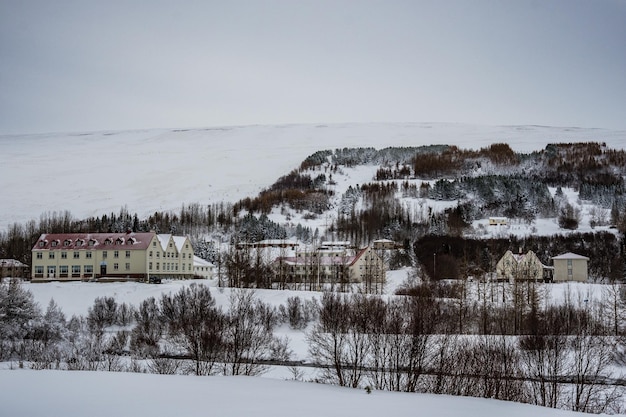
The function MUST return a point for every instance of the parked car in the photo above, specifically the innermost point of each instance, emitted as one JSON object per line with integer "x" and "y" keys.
{"x": 154, "y": 279}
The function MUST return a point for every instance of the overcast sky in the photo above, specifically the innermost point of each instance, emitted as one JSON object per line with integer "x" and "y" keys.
{"x": 111, "y": 65}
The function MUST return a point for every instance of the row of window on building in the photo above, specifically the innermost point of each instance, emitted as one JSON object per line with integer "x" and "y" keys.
{"x": 76, "y": 255}
{"x": 168, "y": 266}
{"x": 167, "y": 255}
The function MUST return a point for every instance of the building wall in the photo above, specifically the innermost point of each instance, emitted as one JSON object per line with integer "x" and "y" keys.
{"x": 112, "y": 260}
{"x": 77, "y": 264}
{"x": 570, "y": 270}
{"x": 528, "y": 267}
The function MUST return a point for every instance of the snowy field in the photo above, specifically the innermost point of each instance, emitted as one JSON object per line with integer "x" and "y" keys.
{"x": 78, "y": 394}
{"x": 95, "y": 173}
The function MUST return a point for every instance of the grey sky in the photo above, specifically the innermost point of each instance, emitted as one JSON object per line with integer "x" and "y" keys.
{"x": 109, "y": 65}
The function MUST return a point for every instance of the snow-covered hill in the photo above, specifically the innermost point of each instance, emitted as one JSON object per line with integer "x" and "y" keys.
{"x": 36, "y": 393}
{"x": 95, "y": 173}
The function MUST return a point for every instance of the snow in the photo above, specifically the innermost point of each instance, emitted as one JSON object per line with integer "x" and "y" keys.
{"x": 160, "y": 169}
{"x": 26, "y": 393}
{"x": 155, "y": 170}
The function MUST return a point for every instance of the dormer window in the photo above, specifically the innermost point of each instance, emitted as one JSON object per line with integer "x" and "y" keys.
{"x": 79, "y": 242}
{"x": 119, "y": 241}
{"x": 67, "y": 242}
{"x": 54, "y": 243}
{"x": 42, "y": 244}
{"x": 92, "y": 242}
{"x": 108, "y": 241}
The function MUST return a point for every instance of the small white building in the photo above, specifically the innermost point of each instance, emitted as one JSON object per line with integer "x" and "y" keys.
{"x": 202, "y": 268}
{"x": 498, "y": 221}
{"x": 570, "y": 267}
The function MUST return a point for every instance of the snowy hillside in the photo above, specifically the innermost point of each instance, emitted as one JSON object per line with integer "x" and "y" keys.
{"x": 97, "y": 173}
{"x": 122, "y": 394}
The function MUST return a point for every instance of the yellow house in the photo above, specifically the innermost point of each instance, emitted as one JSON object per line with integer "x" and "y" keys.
{"x": 111, "y": 256}
{"x": 570, "y": 267}
{"x": 520, "y": 267}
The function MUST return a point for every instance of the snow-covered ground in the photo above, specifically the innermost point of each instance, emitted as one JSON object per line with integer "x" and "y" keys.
{"x": 26, "y": 393}
{"x": 95, "y": 173}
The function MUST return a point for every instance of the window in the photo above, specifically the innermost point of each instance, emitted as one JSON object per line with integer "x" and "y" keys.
{"x": 39, "y": 255}
{"x": 51, "y": 255}
{"x": 63, "y": 269}
{"x": 67, "y": 242}
{"x": 88, "y": 255}
{"x": 75, "y": 269}
{"x": 116, "y": 254}
{"x": 63, "y": 255}
{"x": 149, "y": 265}
{"x": 92, "y": 242}
{"x": 157, "y": 266}
{"x": 128, "y": 254}
{"x": 183, "y": 267}
{"x": 184, "y": 255}
{"x": 569, "y": 263}
{"x": 79, "y": 243}
{"x": 151, "y": 254}
{"x": 190, "y": 267}
{"x": 42, "y": 244}
{"x": 104, "y": 254}
{"x": 127, "y": 266}
{"x": 76, "y": 255}
{"x": 39, "y": 270}
{"x": 88, "y": 269}
{"x": 116, "y": 266}
{"x": 153, "y": 244}
{"x": 158, "y": 254}
{"x": 54, "y": 243}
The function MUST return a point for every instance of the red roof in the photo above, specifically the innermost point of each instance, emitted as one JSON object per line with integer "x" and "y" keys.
{"x": 66, "y": 241}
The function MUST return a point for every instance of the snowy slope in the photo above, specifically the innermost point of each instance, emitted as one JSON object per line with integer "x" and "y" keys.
{"x": 78, "y": 394}
{"x": 98, "y": 173}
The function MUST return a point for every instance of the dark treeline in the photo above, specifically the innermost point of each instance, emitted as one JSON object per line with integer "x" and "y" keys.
{"x": 455, "y": 257}
{"x": 193, "y": 219}
{"x": 299, "y": 191}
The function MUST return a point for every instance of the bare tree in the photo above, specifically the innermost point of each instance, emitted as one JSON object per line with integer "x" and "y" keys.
{"x": 248, "y": 335}
{"x": 193, "y": 320}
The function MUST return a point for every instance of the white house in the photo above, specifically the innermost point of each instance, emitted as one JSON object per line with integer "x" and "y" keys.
{"x": 202, "y": 268}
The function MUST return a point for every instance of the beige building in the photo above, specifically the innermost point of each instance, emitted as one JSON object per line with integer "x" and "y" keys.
{"x": 570, "y": 267}
{"x": 520, "y": 267}
{"x": 333, "y": 264}
{"x": 111, "y": 256}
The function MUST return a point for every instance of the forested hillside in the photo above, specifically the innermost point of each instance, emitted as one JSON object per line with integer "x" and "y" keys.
{"x": 413, "y": 195}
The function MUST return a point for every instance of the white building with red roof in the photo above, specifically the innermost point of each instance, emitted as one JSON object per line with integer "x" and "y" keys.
{"x": 331, "y": 265}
